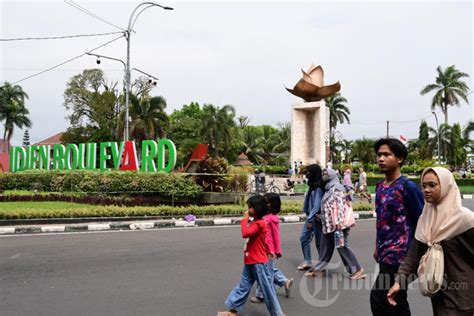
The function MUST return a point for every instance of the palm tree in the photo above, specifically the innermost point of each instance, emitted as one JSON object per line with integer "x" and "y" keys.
{"x": 346, "y": 147}
{"x": 252, "y": 143}
{"x": 363, "y": 150}
{"x": 444, "y": 139}
{"x": 12, "y": 110}
{"x": 449, "y": 88}
{"x": 218, "y": 125}
{"x": 149, "y": 119}
{"x": 338, "y": 111}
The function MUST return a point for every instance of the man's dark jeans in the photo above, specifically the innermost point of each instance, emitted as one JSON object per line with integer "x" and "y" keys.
{"x": 378, "y": 296}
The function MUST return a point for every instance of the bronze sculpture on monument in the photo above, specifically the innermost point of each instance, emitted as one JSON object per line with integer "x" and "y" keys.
{"x": 310, "y": 119}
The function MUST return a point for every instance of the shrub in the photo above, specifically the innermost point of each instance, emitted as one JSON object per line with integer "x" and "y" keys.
{"x": 208, "y": 181}
{"x": 110, "y": 183}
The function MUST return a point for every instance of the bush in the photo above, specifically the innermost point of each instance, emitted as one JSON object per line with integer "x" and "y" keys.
{"x": 274, "y": 170}
{"x": 208, "y": 167}
{"x": 110, "y": 183}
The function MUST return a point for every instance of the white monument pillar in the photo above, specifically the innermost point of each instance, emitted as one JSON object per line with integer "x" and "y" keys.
{"x": 310, "y": 121}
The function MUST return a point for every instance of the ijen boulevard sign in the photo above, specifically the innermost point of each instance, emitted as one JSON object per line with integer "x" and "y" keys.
{"x": 155, "y": 156}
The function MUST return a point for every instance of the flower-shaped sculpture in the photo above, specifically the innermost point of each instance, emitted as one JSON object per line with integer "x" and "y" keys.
{"x": 311, "y": 87}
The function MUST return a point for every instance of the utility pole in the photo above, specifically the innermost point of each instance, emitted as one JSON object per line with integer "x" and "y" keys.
{"x": 388, "y": 128}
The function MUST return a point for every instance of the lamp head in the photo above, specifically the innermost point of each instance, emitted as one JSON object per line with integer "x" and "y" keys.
{"x": 98, "y": 61}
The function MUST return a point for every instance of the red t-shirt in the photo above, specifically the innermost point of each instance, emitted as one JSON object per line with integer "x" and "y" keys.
{"x": 255, "y": 250}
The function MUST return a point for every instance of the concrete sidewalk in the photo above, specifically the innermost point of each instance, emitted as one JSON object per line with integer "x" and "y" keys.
{"x": 146, "y": 224}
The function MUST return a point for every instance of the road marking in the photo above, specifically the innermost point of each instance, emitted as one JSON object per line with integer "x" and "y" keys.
{"x": 7, "y": 230}
{"x": 98, "y": 227}
{"x": 222, "y": 221}
{"x": 46, "y": 229}
{"x": 15, "y": 256}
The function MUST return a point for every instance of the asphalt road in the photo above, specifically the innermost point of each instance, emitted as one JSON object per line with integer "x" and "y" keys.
{"x": 167, "y": 272}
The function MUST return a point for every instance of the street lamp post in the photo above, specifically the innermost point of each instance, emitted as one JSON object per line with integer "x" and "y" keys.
{"x": 437, "y": 128}
{"x": 128, "y": 33}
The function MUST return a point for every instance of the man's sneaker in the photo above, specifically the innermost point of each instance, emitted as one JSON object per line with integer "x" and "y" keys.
{"x": 255, "y": 299}
{"x": 288, "y": 286}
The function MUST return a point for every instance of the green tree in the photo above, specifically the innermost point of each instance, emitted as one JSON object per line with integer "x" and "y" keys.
{"x": 217, "y": 127}
{"x": 346, "y": 148}
{"x": 363, "y": 151}
{"x": 185, "y": 130}
{"x": 12, "y": 110}
{"x": 449, "y": 88}
{"x": 444, "y": 140}
{"x": 26, "y": 138}
{"x": 457, "y": 152}
{"x": 338, "y": 111}
{"x": 149, "y": 119}
{"x": 95, "y": 106}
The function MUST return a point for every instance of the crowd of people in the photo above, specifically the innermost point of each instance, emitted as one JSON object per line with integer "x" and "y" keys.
{"x": 420, "y": 233}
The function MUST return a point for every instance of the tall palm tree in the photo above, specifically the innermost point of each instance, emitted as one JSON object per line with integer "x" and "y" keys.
{"x": 338, "y": 111}
{"x": 449, "y": 88}
{"x": 218, "y": 125}
{"x": 12, "y": 110}
{"x": 148, "y": 118}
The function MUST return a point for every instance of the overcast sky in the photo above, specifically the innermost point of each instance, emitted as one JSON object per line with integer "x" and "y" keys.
{"x": 245, "y": 53}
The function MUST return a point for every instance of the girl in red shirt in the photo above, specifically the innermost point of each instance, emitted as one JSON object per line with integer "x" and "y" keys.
{"x": 255, "y": 261}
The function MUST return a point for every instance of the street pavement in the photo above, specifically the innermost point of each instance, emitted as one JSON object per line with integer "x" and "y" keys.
{"x": 186, "y": 271}
{"x": 166, "y": 272}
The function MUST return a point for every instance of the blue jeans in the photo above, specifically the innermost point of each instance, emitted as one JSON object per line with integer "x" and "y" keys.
{"x": 251, "y": 273}
{"x": 279, "y": 279}
{"x": 307, "y": 236}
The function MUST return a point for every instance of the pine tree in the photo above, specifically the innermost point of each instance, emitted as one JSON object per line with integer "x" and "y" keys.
{"x": 26, "y": 138}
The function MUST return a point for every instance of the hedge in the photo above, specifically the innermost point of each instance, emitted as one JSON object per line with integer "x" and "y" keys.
{"x": 110, "y": 183}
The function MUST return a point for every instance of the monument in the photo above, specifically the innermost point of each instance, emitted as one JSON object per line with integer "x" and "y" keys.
{"x": 310, "y": 119}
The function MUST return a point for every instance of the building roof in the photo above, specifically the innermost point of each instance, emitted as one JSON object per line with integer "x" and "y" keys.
{"x": 242, "y": 160}
{"x": 53, "y": 140}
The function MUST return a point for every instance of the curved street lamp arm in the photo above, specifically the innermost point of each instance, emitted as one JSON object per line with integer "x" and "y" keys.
{"x": 149, "y": 5}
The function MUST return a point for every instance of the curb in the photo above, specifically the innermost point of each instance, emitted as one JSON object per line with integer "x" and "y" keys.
{"x": 148, "y": 225}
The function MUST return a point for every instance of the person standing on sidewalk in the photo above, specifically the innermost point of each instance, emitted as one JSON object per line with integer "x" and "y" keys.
{"x": 312, "y": 208}
{"x": 255, "y": 261}
{"x": 274, "y": 248}
{"x": 398, "y": 204}
{"x": 445, "y": 228}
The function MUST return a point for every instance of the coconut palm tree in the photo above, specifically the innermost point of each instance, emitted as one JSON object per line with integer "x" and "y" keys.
{"x": 363, "y": 150}
{"x": 449, "y": 89}
{"x": 338, "y": 111}
{"x": 12, "y": 110}
{"x": 149, "y": 119}
{"x": 218, "y": 125}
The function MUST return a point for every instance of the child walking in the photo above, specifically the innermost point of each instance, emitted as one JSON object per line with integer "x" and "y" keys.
{"x": 255, "y": 262}
{"x": 274, "y": 247}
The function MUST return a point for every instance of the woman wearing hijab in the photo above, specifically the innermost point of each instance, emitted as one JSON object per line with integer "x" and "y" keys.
{"x": 442, "y": 253}
{"x": 333, "y": 215}
{"x": 312, "y": 206}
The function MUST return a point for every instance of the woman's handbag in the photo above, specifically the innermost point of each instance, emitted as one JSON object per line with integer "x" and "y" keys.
{"x": 431, "y": 271}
